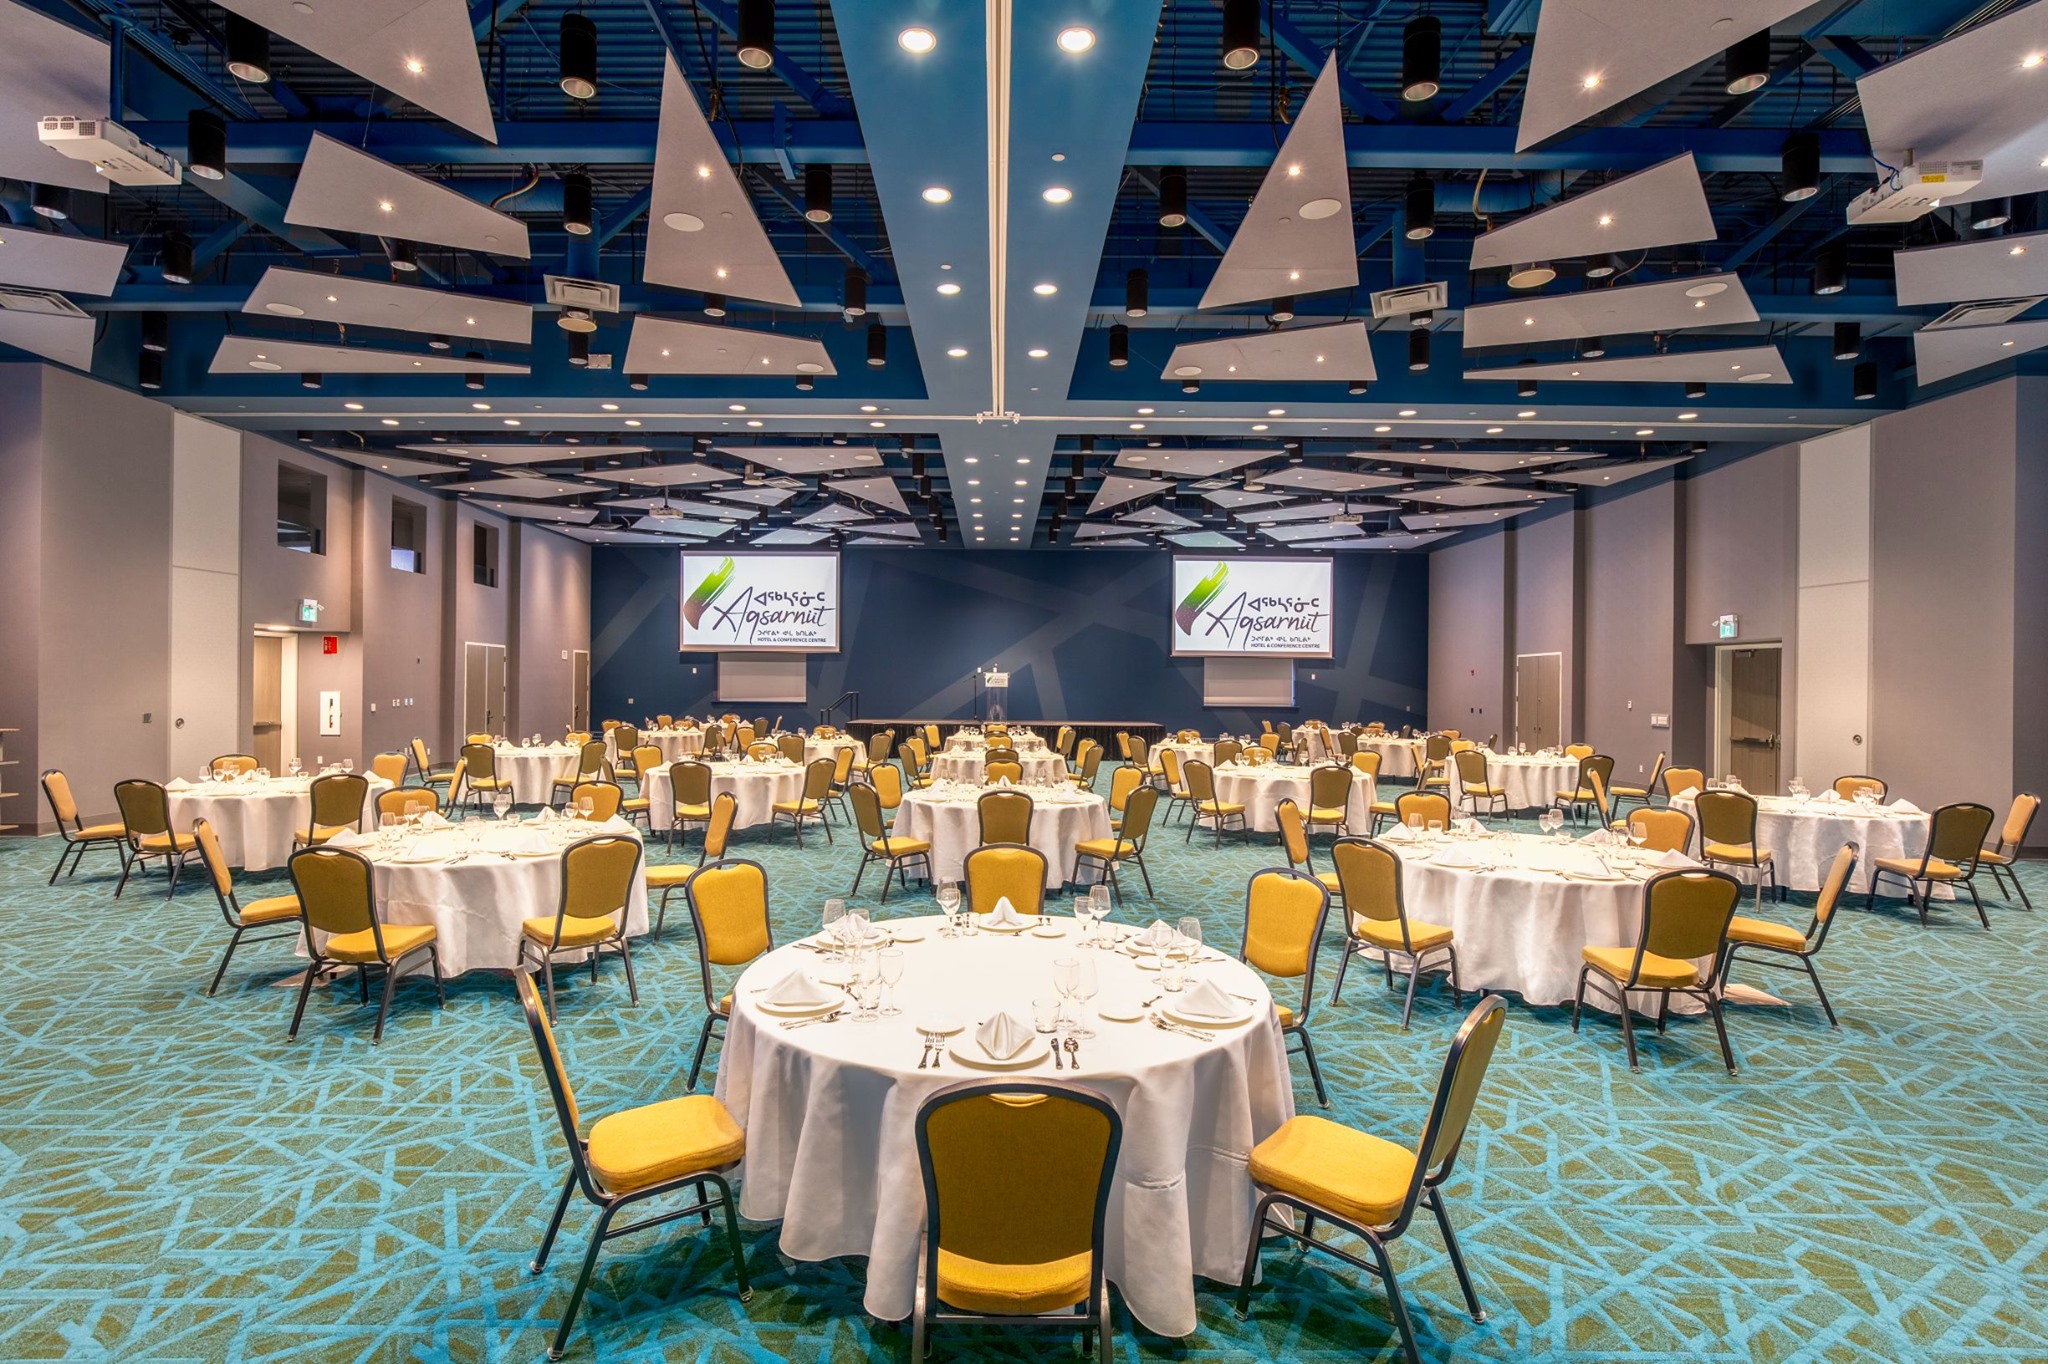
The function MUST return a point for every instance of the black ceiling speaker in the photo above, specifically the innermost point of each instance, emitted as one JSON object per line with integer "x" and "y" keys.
{"x": 757, "y": 33}
{"x": 1422, "y": 58}
{"x": 1592, "y": 348}
{"x": 1866, "y": 381}
{"x": 473, "y": 381}
{"x": 149, "y": 370}
{"x": 1747, "y": 65}
{"x": 1603, "y": 266}
{"x": 1525, "y": 388}
{"x": 1357, "y": 388}
{"x": 878, "y": 345}
{"x": 1418, "y": 350}
{"x": 178, "y": 260}
{"x": 404, "y": 255}
{"x": 206, "y": 144}
{"x": 1240, "y": 34}
{"x": 50, "y": 201}
{"x": 1992, "y": 213}
{"x": 1119, "y": 345}
{"x": 248, "y": 50}
{"x": 804, "y": 384}
{"x": 818, "y": 193}
{"x": 577, "y": 216}
{"x": 1418, "y": 209}
{"x": 1848, "y": 340}
{"x": 856, "y": 304}
{"x": 1695, "y": 389}
{"x": 579, "y": 349}
{"x": 1282, "y": 309}
{"x": 1799, "y": 167}
{"x": 311, "y": 379}
{"x": 637, "y": 382}
{"x": 156, "y": 332}
{"x": 1137, "y": 293}
{"x": 1191, "y": 385}
{"x": 578, "y": 67}
{"x": 1173, "y": 197}
{"x": 714, "y": 305}
{"x": 439, "y": 342}
{"x": 1831, "y": 269}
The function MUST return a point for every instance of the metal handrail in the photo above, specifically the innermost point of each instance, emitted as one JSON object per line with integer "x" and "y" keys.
{"x": 850, "y": 700}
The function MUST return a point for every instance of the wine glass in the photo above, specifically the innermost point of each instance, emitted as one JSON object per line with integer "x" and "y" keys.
{"x": 1190, "y": 936}
{"x": 1084, "y": 915}
{"x": 1638, "y": 835}
{"x": 835, "y": 910}
{"x": 387, "y": 831}
{"x": 867, "y": 984}
{"x": 1083, "y": 990}
{"x": 586, "y": 807}
{"x": 348, "y": 764}
{"x": 1436, "y": 831}
{"x": 890, "y": 964}
{"x": 948, "y": 896}
{"x": 294, "y": 767}
{"x": 501, "y": 803}
{"x": 1100, "y": 904}
{"x": 1065, "y": 972}
{"x": 1415, "y": 823}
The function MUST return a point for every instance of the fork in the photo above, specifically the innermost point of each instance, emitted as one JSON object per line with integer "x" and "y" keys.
{"x": 925, "y": 1056}
{"x": 807, "y": 1022}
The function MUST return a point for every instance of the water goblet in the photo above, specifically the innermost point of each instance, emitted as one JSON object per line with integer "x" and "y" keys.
{"x": 1436, "y": 831}
{"x": 1065, "y": 972}
{"x": 501, "y": 803}
{"x": 889, "y": 962}
{"x": 948, "y": 896}
{"x": 586, "y": 807}
{"x": 1082, "y": 990}
{"x": 348, "y": 764}
{"x": 835, "y": 910}
{"x": 1191, "y": 935}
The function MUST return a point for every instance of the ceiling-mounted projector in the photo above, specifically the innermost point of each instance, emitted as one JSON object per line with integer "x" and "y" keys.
{"x": 108, "y": 148}
{"x": 1913, "y": 191}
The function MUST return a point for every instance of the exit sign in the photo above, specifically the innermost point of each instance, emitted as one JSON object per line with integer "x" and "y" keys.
{"x": 309, "y": 611}
{"x": 1725, "y": 627}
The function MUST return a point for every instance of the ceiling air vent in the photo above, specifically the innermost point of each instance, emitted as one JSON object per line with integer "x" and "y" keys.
{"x": 1982, "y": 314}
{"x": 591, "y": 294}
{"x": 38, "y": 303}
{"x": 1477, "y": 480}
{"x": 1413, "y": 298}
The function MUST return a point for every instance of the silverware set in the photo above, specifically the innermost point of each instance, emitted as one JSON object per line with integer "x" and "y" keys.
{"x": 1164, "y": 1024}
{"x": 934, "y": 1049}
{"x": 1073, "y": 1051}
{"x": 807, "y": 1022}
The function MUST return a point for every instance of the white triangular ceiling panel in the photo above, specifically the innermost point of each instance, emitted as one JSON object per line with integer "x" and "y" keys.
{"x": 1964, "y": 272}
{"x": 877, "y": 492}
{"x": 1329, "y": 480}
{"x": 1974, "y": 97}
{"x": 239, "y": 353}
{"x": 1158, "y": 516}
{"x": 1665, "y": 205}
{"x": 51, "y": 260}
{"x": 666, "y": 475}
{"x": 346, "y": 190}
{"x": 664, "y": 345}
{"x": 1118, "y": 489}
{"x": 1944, "y": 352}
{"x": 1742, "y": 364}
{"x": 838, "y": 514}
{"x": 1098, "y": 531}
{"x": 1474, "y": 495}
{"x": 1662, "y": 306}
{"x": 524, "y": 453}
{"x": 1190, "y": 463}
{"x": 1335, "y": 352}
{"x": 1612, "y": 472}
{"x": 463, "y": 318}
{"x": 1457, "y": 519}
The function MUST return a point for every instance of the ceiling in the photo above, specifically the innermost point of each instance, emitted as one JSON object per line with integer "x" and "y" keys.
{"x": 996, "y": 416}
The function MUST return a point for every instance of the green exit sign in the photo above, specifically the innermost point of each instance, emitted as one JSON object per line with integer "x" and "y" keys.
{"x": 309, "y": 611}
{"x": 1725, "y": 627}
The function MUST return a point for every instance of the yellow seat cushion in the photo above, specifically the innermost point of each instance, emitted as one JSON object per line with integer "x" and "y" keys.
{"x": 577, "y": 931}
{"x": 1353, "y": 1174}
{"x": 1325, "y": 814}
{"x": 1616, "y": 962}
{"x": 1737, "y": 852}
{"x": 271, "y": 910}
{"x": 1111, "y": 848}
{"x": 163, "y": 843}
{"x": 99, "y": 831}
{"x": 1637, "y": 792}
{"x": 1384, "y": 807}
{"x": 661, "y": 878}
{"x": 315, "y": 837}
{"x": 900, "y": 847}
{"x": 693, "y": 812}
{"x": 359, "y": 946}
{"x": 1012, "y": 1290}
{"x": 635, "y": 803}
{"x": 1488, "y": 791}
{"x": 1220, "y": 807}
{"x": 1987, "y": 855}
{"x": 489, "y": 783}
{"x": 1331, "y": 882}
{"x": 1910, "y": 866}
{"x": 1286, "y": 1015}
{"x": 643, "y": 1146}
{"x": 795, "y": 807}
{"x": 1766, "y": 934}
{"x": 1387, "y": 933}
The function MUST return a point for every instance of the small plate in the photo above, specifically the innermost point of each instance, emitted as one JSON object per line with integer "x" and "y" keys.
{"x": 968, "y": 1052}
{"x": 1048, "y": 931}
{"x": 1203, "y": 1021}
{"x": 1120, "y": 1011}
{"x": 906, "y": 934}
{"x": 942, "y": 1025}
{"x": 419, "y": 860}
{"x": 802, "y": 1010}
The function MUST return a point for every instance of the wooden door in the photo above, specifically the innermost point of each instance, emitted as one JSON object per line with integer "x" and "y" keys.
{"x": 1539, "y": 700}
{"x": 266, "y": 710}
{"x": 1753, "y": 718}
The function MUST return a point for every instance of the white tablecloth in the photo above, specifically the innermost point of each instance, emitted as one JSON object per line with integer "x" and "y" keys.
{"x": 256, "y": 820}
{"x": 1196, "y": 752}
{"x": 947, "y": 817}
{"x": 476, "y": 903}
{"x": 815, "y": 749}
{"x": 1804, "y": 837}
{"x": 1521, "y": 926}
{"x": 830, "y": 1112}
{"x": 973, "y": 742}
{"x": 1397, "y": 756}
{"x": 1532, "y": 782}
{"x": 755, "y": 786}
{"x": 533, "y": 770}
{"x": 1321, "y": 745}
{"x": 968, "y": 767}
{"x": 1261, "y": 789}
{"x": 673, "y": 743}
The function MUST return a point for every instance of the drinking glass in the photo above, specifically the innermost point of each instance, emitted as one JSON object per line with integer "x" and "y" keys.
{"x": 834, "y": 911}
{"x": 1099, "y": 907}
{"x": 867, "y": 986}
{"x": 501, "y": 803}
{"x": 1173, "y": 974}
{"x": 948, "y": 896}
{"x": 1083, "y": 990}
{"x": 387, "y": 831}
{"x": 293, "y": 767}
{"x": 855, "y": 926}
{"x": 890, "y": 963}
{"x": 348, "y": 764}
{"x": 586, "y": 807}
{"x": 1191, "y": 934}
{"x": 1084, "y": 915}
{"x": 1436, "y": 831}
{"x": 1065, "y": 972}
{"x": 1638, "y": 835}
{"x": 1415, "y": 823}
{"x": 1045, "y": 1014}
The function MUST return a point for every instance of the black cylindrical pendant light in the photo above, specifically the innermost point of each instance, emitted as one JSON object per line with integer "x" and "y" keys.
{"x": 804, "y": 384}
{"x": 1831, "y": 269}
{"x": 404, "y": 256}
{"x": 1603, "y": 266}
{"x": 1119, "y": 346}
{"x": 1866, "y": 381}
{"x": 1992, "y": 213}
{"x": 1695, "y": 390}
{"x": 1418, "y": 209}
{"x": 578, "y": 67}
{"x": 1173, "y": 197}
{"x": 1137, "y": 293}
{"x": 439, "y": 342}
{"x": 248, "y": 50}
{"x": 714, "y": 305}
{"x": 1593, "y": 347}
{"x": 1191, "y": 385}
{"x": 1240, "y": 34}
{"x": 474, "y": 381}
{"x": 637, "y": 382}
{"x": 311, "y": 379}
{"x": 1422, "y": 58}
{"x": 1525, "y": 388}
{"x": 1799, "y": 167}
{"x": 818, "y": 193}
{"x": 579, "y": 349}
{"x": 50, "y": 201}
{"x": 856, "y": 291}
{"x": 577, "y": 216}
{"x": 178, "y": 266}
{"x": 1422, "y": 317}
{"x": 1357, "y": 388}
{"x": 149, "y": 370}
{"x": 206, "y": 144}
{"x": 1848, "y": 340}
{"x": 1747, "y": 65}
{"x": 878, "y": 345}
{"x": 1418, "y": 350}
{"x": 1282, "y": 309}
{"x": 757, "y": 34}
{"x": 156, "y": 332}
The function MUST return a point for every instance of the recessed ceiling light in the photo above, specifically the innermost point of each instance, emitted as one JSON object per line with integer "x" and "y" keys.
{"x": 1381, "y": 430}
{"x": 353, "y": 407}
{"x": 1495, "y": 430}
{"x": 511, "y": 421}
{"x": 974, "y": 459}
{"x": 632, "y": 421}
{"x": 1592, "y": 81}
{"x": 938, "y": 194}
{"x": 1147, "y": 411}
{"x": 1276, "y": 411}
{"x": 1045, "y": 290}
{"x": 2032, "y": 60}
{"x": 949, "y": 288}
{"x": 384, "y": 204}
{"x": 736, "y": 407}
{"x": 1315, "y": 210}
{"x": 683, "y": 222}
{"x": 1646, "y": 431}
{"x": 957, "y": 352}
{"x": 1259, "y": 426}
{"x": 1038, "y": 352}
{"x": 1057, "y": 194}
{"x": 415, "y": 67}
{"x": 1023, "y": 483}
{"x": 1757, "y": 377}
{"x": 1526, "y": 413}
{"x": 869, "y": 407}
{"x": 878, "y": 425}
{"x": 1137, "y": 426}
{"x": 1076, "y": 39}
{"x": 389, "y": 421}
{"x": 917, "y": 40}
{"x": 1607, "y": 220}
{"x": 1687, "y": 416}
{"x": 286, "y": 309}
{"x": 2021, "y": 250}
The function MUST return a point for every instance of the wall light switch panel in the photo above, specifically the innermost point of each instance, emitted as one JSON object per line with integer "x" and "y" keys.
{"x": 1660, "y": 721}
{"x": 565, "y": 655}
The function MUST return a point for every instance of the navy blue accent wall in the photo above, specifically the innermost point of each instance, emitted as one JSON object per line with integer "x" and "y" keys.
{"x": 1083, "y": 635}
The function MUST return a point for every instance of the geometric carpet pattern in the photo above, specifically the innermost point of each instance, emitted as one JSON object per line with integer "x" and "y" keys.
{"x": 182, "y": 1184}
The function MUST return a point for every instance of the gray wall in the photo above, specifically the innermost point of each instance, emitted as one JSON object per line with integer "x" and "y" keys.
{"x": 1631, "y": 591}
{"x": 551, "y": 607}
{"x": 1544, "y": 583}
{"x": 2030, "y": 596}
{"x": 21, "y": 605}
{"x": 1468, "y": 637}
{"x": 398, "y": 620}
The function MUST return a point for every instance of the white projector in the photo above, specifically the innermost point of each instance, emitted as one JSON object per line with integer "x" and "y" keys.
{"x": 1915, "y": 191}
{"x": 110, "y": 149}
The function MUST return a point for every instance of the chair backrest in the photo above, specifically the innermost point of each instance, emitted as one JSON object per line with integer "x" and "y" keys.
{"x": 1227, "y": 750}
{"x": 1596, "y": 785}
{"x": 1284, "y": 732}
{"x": 1431, "y": 805}
{"x": 646, "y": 758}
{"x": 1347, "y": 743}
{"x": 1141, "y": 752}
{"x": 481, "y": 760}
{"x": 761, "y": 750}
{"x": 577, "y": 737}
{"x": 1269, "y": 742}
{"x": 1471, "y": 766}
{"x": 408, "y": 800}
{"x": 609, "y": 725}
{"x": 1831, "y": 890}
{"x": 1457, "y": 1094}
{"x": 1656, "y": 773}
{"x": 1367, "y": 761}
{"x": 1958, "y": 833}
{"x": 664, "y": 721}
{"x": 887, "y": 779}
{"x": 1138, "y": 815}
{"x": 604, "y": 796}
{"x": 1063, "y": 742}
{"x": 1001, "y": 753}
{"x": 551, "y": 1065}
{"x": 1329, "y": 787}
{"x": 590, "y": 761}
{"x": 598, "y": 875}
{"x": 389, "y": 766}
{"x": 1293, "y": 832}
{"x": 1091, "y": 762}
{"x": 1593, "y": 765}
{"x": 1283, "y": 923}
{"x": 1579, "y": 751}
{"x": 419, "y": 756}
{"x": 1266, "y": 726}
{"x": 626, "y": 738}
{"x": 2018, "y": 820}
{"x": 1461, "y": 745}
{"x": 1122, "y": 782}
{"x": 1679, "y": 780}
{"x": 931, "y": 736}
{"x": 842, "y": 765}
{"x": 1059, "y": 1143}
{"x": 1726, "y": 817}
{"x": 878, "y": 748}
{"x": 1003, "y": 771}
{"x": 480, "y": 737}
{"x": 790, "y": 746}
{"x": 456, "y": 776}
{"x": 995, "y": 870}
{"x": 729, "y": 910}
{"x": 867, "y": 811}
{"x": 216, "y": 861}
{"x": 906, "y": 753}
{"x": 337, "y": 891}
{"x": 1663, "y": 830}
{"x": 818, "y": 779}
{"x": 1436, "y": 748}
{"x": 1005, "y": 817}
{"x": 1201, "y": 781}
{"x": 63, "y": 804}
{"x": 1848, "y": 787}
{"x": 1123, "y": 745}
{"x": 725, "y": 812}
{"x": 338, "y": 800}
{"x": 1369, "y": 876}
{"x": 1169, "y": 763}
{"x": 689, "y": 782}
{"x": 1686, "y": 914}
{"x": 232, "y": 765}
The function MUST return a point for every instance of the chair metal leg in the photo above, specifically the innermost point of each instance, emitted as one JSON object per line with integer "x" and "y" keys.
{"x": 305, "y": 989}
{"x": 1315, "y": 1072}
{"x": 604, "y": 1219}
{"x": 226, "y": 957}
{"x": 384, "y": 1004}
{"x": 1579, "y": 999}
{"x": 547, "y": 1243}
{"x": 1138, "y": 859}
{"x": 1414, "y": 975}
{"x": 1434, "y": 1197}
{"x": 1251, "y": 1259}
{"x": 362, "y": 986}
{"x": 547, "y": 969}
{"x": 626, "y": 955}
{"x": 1344, "y": 956}
{"x": 1721, "y": 1031}
{"x": 1395, "y": 1306}
{"x": 1814, "y": 976}
{"x": 661, "y": 912}
{"x": 1628, "y": 1029}
{"x": 1978, "y": 901}
{"x": 128, "y": 861}
{"x": 703, "y": 1045}
{"x": 732, "y": 1237}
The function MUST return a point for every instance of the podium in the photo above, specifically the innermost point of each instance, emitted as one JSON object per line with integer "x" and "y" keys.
{"x": 993, "y": 701}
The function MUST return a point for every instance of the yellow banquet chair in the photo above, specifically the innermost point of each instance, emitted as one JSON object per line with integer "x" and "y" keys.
{"x": 338, "y": 800}
{"x": 646, "y": 761}
{"x": 1003, "y": 771}
{"x": 1475, "y": 785}
{"x": 268, "y": 912}
{"x": 146, "y": 832}
{"x": 897, "y": 855}
{"x": 1679, "y": 781}
{"x": 689, "y": 790}
{"x": 1005, "y": 817}
{"x": 1848, "y": 788}
{"x": 887, "y": 779}
{"x": 1727, "y": 821}
{"x": 1639, "y": 794}
{"x": 1377, "y": 920}
{"x": 1284, "y": 912}
{"x": 729, "y": 915}
{"x": 1125, "y": 844}
{"x": 233, "y": 765}
{"x": 810, "y": 802}
{"x": 995, "y": 870}
{"x": 1294, "y": 843}
{"x": 407, "y": 801}
{"x": 1664, "y": 830}
{"x": 1203, "y": 804}
{"x": 606, "y": 799}
{"x": 78, "y": 837}
{"x": 1955, "y": 846}
{"x": 590, "y": 762}
{"x": 598, "y": 875}
{"x": 480, "y": 764}
{"x": 673, "y": 876}
{"x": 1426, "y": 806}
{"x": 337, "y": 896}
{"x": 1778, "y": 941}
{"x": 1329, "y": 798}
{"x": 2002, "y": 855}
{"x": 389, "y": 767}
{"x": 1685, "y": 919}
{"x": 1123, "y": 780}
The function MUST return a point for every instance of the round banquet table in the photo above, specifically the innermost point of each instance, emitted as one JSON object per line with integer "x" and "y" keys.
{"x": 830, "y": 1111}
{"x": 945, "y": 815}
{"x": 533, "y": 769}
{"x": 1522, "y": 911}
{"x": 256, "y": 819}
{"x": 1320, "y": 744}
{"x": 815, "y": 749}
{"x": 1188, "y": 752}
{"x": 476, "y": 895}
{"x": 1804, "y": 835}
{"x": 1261, "y": 789}
{"x": 673, "y": 743}
{"x": 1533, "y": 781}
{"x": 1397, "y": 756}
{"x": 756, "y": 786}
{"x": 968, "y": 767}
{"x": 966, "y": 741}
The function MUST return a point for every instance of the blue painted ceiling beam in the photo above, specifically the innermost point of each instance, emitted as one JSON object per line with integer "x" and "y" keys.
{"x": 1303, "y": 52}
{"x": 808, "y": 87}
{"x": 1769, "y": 231}
{"x": 877, "y": 270}
{"x": 485, "y": 15}
{"x": 1484, "y": 89}
{"x": 1847, "y": 55}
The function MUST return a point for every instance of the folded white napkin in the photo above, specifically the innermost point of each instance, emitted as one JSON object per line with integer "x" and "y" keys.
{"x": 1671, "y": 860}
{"x": 1002, "y": 781}
{"x": 1471, "y": 825}
{"x": 797, "y": 991}
{"x": 177, "y": 784}
{"x": 1003, "y": 1036}
{"x": 1004, "y": 913}
{"x": 349, "y": 838}
{"x": 1829, "y": 797}
{"x": 1459, "y": 857}
{"x": 1904, "y": 807}
{"x": 1157, "y": 935}
{"x": 1203, "y": 1000}
{"x": 528, "y": 841}
{"x": 1398, "y": 833}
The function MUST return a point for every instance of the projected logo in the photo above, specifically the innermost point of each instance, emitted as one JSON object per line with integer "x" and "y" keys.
{"x": 1264, "y": 616}
{"x": 759, "y": 604}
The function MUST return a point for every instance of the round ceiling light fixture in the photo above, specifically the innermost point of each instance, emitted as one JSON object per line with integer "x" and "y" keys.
{"x": 1533, "y": 275}
{"x": 1076, "y": 39}
{"x": 917, "y": 40}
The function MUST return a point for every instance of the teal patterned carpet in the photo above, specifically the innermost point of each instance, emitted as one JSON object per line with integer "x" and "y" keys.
{"x": 181, "y": 1184}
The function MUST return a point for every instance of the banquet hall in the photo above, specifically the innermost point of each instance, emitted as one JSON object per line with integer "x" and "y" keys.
{"x": 869, "y": 679}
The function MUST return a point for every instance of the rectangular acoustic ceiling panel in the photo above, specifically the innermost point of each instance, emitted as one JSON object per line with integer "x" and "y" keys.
{"x": 1609, "y": 473}
{"x": 1474, "y": 495}
{"x": 1665, "y": 205}
{"x": 421, "y": 50}
{"x": 462, "y": 318}
{"x": 539, "y": 511}
{"x": 702, "y": 233}
{"x": 806, "y": 459}
{"x": 1735, "y": 365}
{"x": 51, "y": 260}
{"x": 384, "y": 462}
{"x": 1297, "y": 238}
{"x": 239, "y": 353}
{"x": 1944, "y": 352}
{"x": 1190, "y": 463}
{"x": 63, "y": 336}
{"x": 1327, "y": 480}
{"x": 1206, "y": 539}
{"x": 527, "y": 453}
{"x": 1990, "y": 267}
{"x": 1157, "y": 517}
{"x": 1979, "y": 96}
{"x": 1457, "y": 520}
{"x": 1121, "y": 533}
{"x": 47, "y": 67}
{"x": 663, "y": 345}
{"x": 346, "y": 190}
{"x": 1666, "y": 305}
{"x": 1333, "y": 352}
